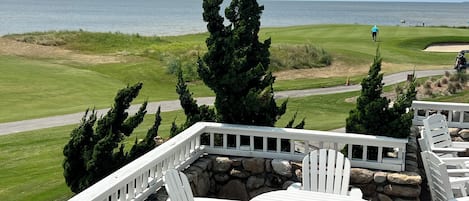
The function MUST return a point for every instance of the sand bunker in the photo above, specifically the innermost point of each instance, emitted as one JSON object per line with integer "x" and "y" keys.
{"x": 447, "y": 47}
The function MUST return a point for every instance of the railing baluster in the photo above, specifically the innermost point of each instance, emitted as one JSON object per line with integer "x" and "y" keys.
{"x": 212, "y": 140}
{"x": 251, "y": 142}
{"x": 238, "y": 142}
{"x": 349, "y": 151}
{"x": 365, "y": 153}
{"x": 306, "y": 146}
{"x": 225, "y": 141}
{"x": 292, "y": 146}
{"x": 279, "y": 145}
{"x": 380, "y": 154}
{"x": 264, "y": 144}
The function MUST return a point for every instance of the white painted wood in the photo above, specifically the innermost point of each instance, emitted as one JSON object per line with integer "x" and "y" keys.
{"x": 440, "y": 183}
{"x": 456, "y": 112}
{"x": 326, "y": 171}
{"x": 301, "y": 195}
{"x": 436, "y": 137}
{"x": 180, "y": 151}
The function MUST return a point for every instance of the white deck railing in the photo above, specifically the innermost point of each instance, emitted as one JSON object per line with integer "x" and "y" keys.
{"x": 142, "y": 177}
{"x": 457, "y": 114}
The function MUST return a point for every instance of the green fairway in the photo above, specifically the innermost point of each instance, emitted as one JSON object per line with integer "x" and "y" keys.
{"x": 33, "y": 87}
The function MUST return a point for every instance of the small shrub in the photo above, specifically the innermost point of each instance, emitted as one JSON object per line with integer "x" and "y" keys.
{"x": 447, "y": 74}
{"x": 452, "y": 88}
{"x": 428, "y": 91}
{"x": 427, "y": 84}
{"x": 438, "y": 83}
{"x": 444, "y": 80}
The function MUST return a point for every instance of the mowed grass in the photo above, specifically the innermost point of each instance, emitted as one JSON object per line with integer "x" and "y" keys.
{"x": 31, "y": 162}
{"x": 33, "y": 88}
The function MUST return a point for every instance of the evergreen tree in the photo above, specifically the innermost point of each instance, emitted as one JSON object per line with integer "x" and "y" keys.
{"x": 193, "y": 112}
{"x": 93, "y": 153}
{"x": 148, "y": 143}
{"x": 373, "y": 116}
{"x": 236, "y": 65}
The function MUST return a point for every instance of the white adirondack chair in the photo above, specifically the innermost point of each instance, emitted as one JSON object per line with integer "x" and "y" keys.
{"x": 436, "y": 137}
{"x": 179, "y": 189}
{"x": 328, "y": 171}
{"x": 439, "y": 181}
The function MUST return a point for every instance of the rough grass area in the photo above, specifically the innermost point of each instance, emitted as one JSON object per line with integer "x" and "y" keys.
{"x": 286, "y": 56}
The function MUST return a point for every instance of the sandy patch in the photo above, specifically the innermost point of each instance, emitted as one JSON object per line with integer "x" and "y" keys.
{"x": 12, "y": 47}
{"x": 447, "y": 47}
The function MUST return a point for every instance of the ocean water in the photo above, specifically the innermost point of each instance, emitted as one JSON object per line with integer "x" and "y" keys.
{"x": 176, "y": 17}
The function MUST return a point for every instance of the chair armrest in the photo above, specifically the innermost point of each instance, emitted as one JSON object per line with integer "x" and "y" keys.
{"x": 458, "y": 180}
{"x": 449, "y": 149}
{"x": 455, "y": 160}
{"x": 458, "y": 171}
{"x": 461, "y": 144}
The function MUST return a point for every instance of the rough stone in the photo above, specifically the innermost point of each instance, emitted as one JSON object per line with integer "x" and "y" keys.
{"x": 411, "y": 178}
{"x": 221, "y": 177}
{"x": 282, "y": 167}
{"x": 200, "y": 181}
{"x": 464, "y": 133}
{"x": 273, "y": 180}
{"x": 203, "y": 163}
{"x": 268, "y": 165}
{"x": 254, "y": 165}
{"x": 380, "y": 177}
{"x": 384, "y": 197}
{"x": 254, "y": 182}
{"x": 299, "y": 174}
{"x": 454, "y": 131}
{"x": 368, "y": 190}
{"x": 222, "y": 164}
{"x": 237, "y": 162}
{"x": 402, "y": 191}
{"x": 234, "y": 190}
{"x": 361, "y": 176}
{"x": 242, "y": 174}
{"x": 406, "y": 199}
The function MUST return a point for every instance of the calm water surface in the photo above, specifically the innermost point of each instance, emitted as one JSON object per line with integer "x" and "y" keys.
{"x": 175, "y": 17}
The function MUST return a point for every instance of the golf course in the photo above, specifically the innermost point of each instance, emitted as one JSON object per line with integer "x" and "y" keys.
{"x": 53, "y": 73}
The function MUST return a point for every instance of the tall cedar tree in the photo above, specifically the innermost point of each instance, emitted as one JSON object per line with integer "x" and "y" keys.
{"x": 193, "y": 112}
{"x": 373, "y": 116}
{"x": 236, "y": 65}
{"x": 93, "y": 153}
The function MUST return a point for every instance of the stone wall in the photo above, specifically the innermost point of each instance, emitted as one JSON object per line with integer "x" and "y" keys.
{"x": 243, "y": 178}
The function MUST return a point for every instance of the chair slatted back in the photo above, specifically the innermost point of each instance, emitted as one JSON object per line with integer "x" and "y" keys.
{"x": 437, "y": 176}
{"x": 177, "y": 186}
{"x": 327, "y": 171}
{"x": 436, "y": 132}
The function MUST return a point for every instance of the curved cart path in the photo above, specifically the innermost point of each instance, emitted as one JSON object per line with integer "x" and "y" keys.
{"x": 62, "y": 120}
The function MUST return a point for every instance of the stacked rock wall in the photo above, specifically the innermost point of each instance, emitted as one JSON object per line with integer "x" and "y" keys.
{"x": 243, "y": 178}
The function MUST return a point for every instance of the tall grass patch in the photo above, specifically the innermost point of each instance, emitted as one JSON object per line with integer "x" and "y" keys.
{"x": 298, "y": 56}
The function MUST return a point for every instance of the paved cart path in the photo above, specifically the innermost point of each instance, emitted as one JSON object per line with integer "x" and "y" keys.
{"x": 166, "y": 106}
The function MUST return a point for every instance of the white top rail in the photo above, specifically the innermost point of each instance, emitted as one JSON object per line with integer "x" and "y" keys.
{"x": 142, "y": 177}
{"x": 457, "y": 114}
